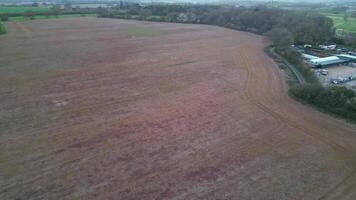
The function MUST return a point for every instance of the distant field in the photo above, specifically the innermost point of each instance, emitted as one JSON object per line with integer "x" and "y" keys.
{"x": 340, "y": 23}
{"x": 20, "y": 18}
{"x": 90, "y": 5}
{"x": 349, "y": 26}
{"x": 20, "y": 9}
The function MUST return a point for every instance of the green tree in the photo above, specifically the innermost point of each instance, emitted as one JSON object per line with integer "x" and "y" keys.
{"x": 102, "y": 12}
{"x": 144, "y": 13}
{"x": 46, "y": 14}
{"x": 4, "y": 18}
{"x": 29, "y": 14}
{"x": 56, "y": 9}
{"x": 352, "y": 105}
{"x": 280, "y": 37}
{"x": 343, "y": 91}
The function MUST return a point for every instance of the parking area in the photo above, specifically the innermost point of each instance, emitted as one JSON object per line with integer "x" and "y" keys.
{"x": 337, "y": 74}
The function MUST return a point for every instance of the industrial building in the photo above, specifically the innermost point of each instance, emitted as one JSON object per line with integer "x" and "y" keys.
{"x": 332, "y": 60}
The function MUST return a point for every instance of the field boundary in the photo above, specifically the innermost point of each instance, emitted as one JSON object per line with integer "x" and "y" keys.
{"x": 291, "y": 67}
{"x": 341, "y": 33}
{"x": 42, "y": 17}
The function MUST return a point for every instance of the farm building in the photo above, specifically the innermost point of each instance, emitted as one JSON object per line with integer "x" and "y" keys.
{"x": 333, "y": 60}
{"x": 308, "y": 56}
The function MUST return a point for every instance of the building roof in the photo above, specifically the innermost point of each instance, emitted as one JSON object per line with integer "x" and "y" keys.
{"x": 331, "y": 60}
{"x": 347, "y": 57}
{"x": 309, "y": 57}
{"x": 327, "y": 60}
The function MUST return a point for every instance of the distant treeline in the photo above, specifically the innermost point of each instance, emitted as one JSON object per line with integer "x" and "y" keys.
{"x": 305, "y": 27}
{"x": 283, "y": 27}
{"x": 55, "y": 11}
{"x": 47, "y": 13}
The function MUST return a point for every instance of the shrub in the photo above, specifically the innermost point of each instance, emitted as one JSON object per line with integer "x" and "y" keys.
{"x": 295, "y": 58}
{"x": 2, "y": 29}
{"x": 339, "y": 101}
{"x": 4, "y": 18}
{"x": 281, "y": 37}
{"x": 352, "y": 105}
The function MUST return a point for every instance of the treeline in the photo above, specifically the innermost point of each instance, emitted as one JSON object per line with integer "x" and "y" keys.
{"x": 337, "y": 100}
{"x": 50, "y": 12}
{"x": 305, "y": 27}
{"x": 33, "y": 15}
{"x": 55, "y": 11}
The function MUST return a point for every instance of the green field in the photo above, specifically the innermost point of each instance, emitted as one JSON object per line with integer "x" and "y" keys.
{"x": 20, "y": 9}
{"x": 340, "y": 23}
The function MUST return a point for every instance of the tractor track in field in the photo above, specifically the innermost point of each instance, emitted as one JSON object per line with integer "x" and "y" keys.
{"x": 349, "y": 180}
{"x": 107, "y": 115}
{"x": 24, "y": 29}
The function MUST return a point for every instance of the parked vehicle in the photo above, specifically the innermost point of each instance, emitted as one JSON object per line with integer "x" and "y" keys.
{"x": 333, "y": 81}
{"x": 324, "y": 72}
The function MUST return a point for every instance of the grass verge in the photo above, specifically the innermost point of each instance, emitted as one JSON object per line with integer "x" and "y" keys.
{"x": 2, "y": 29}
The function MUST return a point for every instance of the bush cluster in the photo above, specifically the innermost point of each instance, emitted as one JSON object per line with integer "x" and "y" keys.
{"x": 295, "y": 58}
{"x": 337, "y": 100}
{"x": 2, "y": 29}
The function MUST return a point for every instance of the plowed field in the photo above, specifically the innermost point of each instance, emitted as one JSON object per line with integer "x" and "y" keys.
{"x": 111, "y": 109}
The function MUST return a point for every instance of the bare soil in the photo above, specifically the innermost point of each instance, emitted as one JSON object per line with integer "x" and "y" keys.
{"x": 111, "y": 109}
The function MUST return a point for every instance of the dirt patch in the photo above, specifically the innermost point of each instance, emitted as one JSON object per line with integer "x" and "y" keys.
{"x": 145, "y": 31}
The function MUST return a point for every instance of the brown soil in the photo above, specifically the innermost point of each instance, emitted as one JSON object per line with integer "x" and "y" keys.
{"x": 98, "y": 109}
